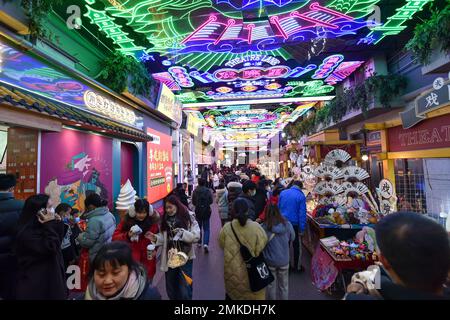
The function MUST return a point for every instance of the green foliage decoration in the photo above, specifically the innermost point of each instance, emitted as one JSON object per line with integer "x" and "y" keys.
{"x": 431, "y": 34}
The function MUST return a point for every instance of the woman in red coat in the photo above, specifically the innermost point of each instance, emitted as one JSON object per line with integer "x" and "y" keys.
{"x": 134, "y": 229}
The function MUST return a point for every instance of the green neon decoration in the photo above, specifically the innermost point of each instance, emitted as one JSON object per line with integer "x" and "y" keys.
{"x": 309, "y": 88}
{"x": 205, "y": 61}
{"x": 394, "y": 24}
{"x": 112, "y": 30}
{"x": 357, "y": 8}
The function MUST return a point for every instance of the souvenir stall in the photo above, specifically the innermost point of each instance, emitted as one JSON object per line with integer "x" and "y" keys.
{"x": 341, "y": 211}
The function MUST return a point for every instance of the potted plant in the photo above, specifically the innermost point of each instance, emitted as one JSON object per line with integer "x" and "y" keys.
{"x": 431, "y": 41}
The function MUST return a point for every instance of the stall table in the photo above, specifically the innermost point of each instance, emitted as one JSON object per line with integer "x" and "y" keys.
{"x": 347, "y": 264}
{"x": 315, "y": 231}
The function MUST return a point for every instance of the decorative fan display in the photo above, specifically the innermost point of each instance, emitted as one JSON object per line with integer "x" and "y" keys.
{"x": 293, "y": 156}
{"x": 324, "y": 171}
{"x": 297, "y": 170}
{"x": 353, "y": 172}
{"x": 325, "y": 187}
{"x": 341, "y": 201}
{"x": 336, "y": 156}
{"x": 358, "y": 187}
{"x": 307, "y": 169}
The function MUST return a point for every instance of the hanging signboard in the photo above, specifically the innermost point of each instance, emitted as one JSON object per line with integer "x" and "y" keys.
{"x": 159, "y": 165}
{"x": 169, "y": 105}
{"x": 427, "y": 102}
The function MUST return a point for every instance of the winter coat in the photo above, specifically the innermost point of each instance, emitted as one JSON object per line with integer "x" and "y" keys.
{"x": 41, "y": 274}
{"x": 10, "y": 211}
{"x": 70, "y": 250}
{"x": 216, "y": 181}
{"x": 251, "y": 205}
{"x": 202, "y": 193}
{"x": 189, "y": 236}
{"x": 292, "y": 204}
{"x": 276, "y": 252}
{"x": 234, "y": 190}
{"x": 272, "y": 200}
{"x": 101, "y": 225}
{"x": 222, "y": 202}
{"x": 138, "y": 248}
{"x": 235, "y": 272}
{"x": 260, "y": 201}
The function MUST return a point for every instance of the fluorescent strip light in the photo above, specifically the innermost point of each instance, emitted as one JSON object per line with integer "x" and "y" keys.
{"x": 259, "y": 101}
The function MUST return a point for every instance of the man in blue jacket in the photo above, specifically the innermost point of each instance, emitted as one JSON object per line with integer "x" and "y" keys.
{"x": 10, "y": 211}
{"x": 292, "y": 204}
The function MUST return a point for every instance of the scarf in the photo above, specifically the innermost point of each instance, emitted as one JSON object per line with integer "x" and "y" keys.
{"x": 132, "y": 290}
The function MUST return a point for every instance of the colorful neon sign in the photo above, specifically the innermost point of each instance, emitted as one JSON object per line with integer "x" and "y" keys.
{"x": 181, "y": 76}
{"x": 343, "y": 71}
{"x": 251, "y": 73}
{"x": 167, "y": 79}
{"x": 112, "y": 30}
{"x": 394, "y": 24}
{"x": 327, "y": 66}
{"x": 253, "y": 59}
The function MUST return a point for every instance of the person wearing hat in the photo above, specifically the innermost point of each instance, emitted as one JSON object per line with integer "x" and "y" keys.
{"x": 140, "y": 219}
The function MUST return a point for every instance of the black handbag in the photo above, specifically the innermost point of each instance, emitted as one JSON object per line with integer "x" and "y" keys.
{"x": 259, "y": 275}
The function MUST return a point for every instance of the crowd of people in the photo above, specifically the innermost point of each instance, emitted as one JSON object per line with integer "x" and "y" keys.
{"x": 118, "y": 259}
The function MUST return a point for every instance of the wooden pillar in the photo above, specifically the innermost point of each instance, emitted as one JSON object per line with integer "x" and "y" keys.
{"x": 388, "y": 164}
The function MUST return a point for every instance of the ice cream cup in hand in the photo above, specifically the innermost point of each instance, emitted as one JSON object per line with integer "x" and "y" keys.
{"x": 150, "y": 250}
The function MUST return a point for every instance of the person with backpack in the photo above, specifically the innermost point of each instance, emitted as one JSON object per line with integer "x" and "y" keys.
{"x": 280, "y": 233}
{"x": 202, "y": 200}
{"x": 241, "y": 231}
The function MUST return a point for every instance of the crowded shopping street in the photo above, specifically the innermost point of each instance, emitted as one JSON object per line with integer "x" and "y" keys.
{"x": 201, "y": 152}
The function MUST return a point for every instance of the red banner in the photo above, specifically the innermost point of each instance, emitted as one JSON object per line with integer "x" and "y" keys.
{"x": 159, "y": 166}
{"x": 430, "y": 134}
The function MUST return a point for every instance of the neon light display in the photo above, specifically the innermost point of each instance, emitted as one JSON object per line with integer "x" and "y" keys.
{"x": 251, "y": 73}
{"x": 253, "y": 59}
{"x": 357, "y": 8}
{"x": 394, "y": 24}
{"x": 23, "y": 71}
{"x": 327, "y": 66}
{"x": 167, "y": 79}
{"x": 113, "y": 31}
{"x": 343, "y": 71}
{"x": 181, "y": 76}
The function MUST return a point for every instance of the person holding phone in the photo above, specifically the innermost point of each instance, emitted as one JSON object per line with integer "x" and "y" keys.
{"x": 41, "y": 274}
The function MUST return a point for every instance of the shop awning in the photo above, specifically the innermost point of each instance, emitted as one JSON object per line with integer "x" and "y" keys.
{"x": 69, "y": 115}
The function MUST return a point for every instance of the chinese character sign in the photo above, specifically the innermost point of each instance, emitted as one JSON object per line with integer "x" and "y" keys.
{"x": 159, "y": 166}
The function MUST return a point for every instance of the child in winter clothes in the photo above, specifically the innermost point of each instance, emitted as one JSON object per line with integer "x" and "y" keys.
{"x": 280, "y": 233}
{"x": 69, "y": 246}
{"x": 140, "y": 220}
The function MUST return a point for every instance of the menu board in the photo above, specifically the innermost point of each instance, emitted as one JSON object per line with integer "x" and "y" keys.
{"x": 22, "y": 160}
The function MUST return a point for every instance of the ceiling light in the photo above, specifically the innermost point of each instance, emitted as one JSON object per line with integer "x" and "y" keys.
{"x": 365, "y": 157}
{"x": 77, "y": 125}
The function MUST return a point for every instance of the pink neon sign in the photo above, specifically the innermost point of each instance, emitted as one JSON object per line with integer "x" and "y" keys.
{"x": 327, "y": 66}
{"x": 251, "y": 73}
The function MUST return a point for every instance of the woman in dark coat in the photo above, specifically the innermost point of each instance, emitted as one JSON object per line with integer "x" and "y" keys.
{"x": 41, "y": 274}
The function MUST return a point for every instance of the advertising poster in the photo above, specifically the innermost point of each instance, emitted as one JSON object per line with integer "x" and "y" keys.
{"x": 74, "y": 164}
{"x": 159, "y": 166}
{"x": 169, "y": 105}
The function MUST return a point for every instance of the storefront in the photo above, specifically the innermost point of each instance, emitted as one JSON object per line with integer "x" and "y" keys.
{"x": 416, "y": 154}
{"x": 63, "y": 137}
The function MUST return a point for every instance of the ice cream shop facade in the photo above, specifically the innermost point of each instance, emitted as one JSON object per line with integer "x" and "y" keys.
{"x": 64, "y": 134}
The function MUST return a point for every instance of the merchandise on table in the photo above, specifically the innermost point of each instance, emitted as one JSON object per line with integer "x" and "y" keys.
{"x": 362, "y": 247}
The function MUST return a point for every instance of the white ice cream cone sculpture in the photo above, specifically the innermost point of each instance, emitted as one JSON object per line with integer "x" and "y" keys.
{"x": 127, "y": 197}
